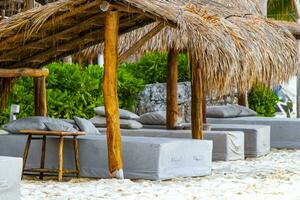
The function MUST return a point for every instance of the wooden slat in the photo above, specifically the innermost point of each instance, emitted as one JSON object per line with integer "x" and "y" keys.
{"x": 51, "y": 133}
{"x": 10, "y": 73}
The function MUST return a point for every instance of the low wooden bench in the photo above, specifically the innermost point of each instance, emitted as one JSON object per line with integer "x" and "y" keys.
{"x": 60, "y": 171}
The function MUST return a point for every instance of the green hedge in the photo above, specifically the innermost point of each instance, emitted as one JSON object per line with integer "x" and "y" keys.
{"x": 73, "y": 90}
{"x": 263, "y": 100}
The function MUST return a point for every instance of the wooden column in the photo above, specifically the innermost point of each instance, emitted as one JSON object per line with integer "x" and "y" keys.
{"x": 297, "y": 7}
{"x": 110, "y": 94}
{"x": 172, "y": 105}
{"x": 40, "y": 99}
{"x": 197, "y": 99}
{"x": 243, "y": 98}
{"x": 204, "y": 106}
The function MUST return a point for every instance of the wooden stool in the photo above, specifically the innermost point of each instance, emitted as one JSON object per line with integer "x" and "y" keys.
{"x": 44, "y": 135}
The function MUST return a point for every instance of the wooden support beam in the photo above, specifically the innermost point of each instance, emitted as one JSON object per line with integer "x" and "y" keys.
{"x": 243, "y": 98}
{"x": 140, "y": 42}
{"x": 197, "y": 99}
{"x": 11, "y": 73}
{"x": 40, "y": 99}
{"x": 113, "y": 134}
{"x": 204, "y": 105}
{"x": 172, "y": 78}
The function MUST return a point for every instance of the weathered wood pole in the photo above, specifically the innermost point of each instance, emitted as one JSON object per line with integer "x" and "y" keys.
{"x": 297, "y": 6}
{"x": 243, "y": 98}
{"x": 172, "y": 105}
{"x": 197, "y": 99}
{"x": 114, "y": 145}
{"x": 40, "y": 98}
{"x": 204, "y": 105}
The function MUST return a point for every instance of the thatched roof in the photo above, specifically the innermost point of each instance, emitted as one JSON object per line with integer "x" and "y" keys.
{"x": 232, "y": 41}
{"x": 229, "y": 39}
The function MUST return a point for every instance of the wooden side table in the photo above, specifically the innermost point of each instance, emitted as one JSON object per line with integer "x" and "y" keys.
{"x": 60, "y": 171}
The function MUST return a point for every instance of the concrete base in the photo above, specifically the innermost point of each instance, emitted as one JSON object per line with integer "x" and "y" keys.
{"x": 227, "y": 145}
{"x": 10, "y": 178}
{"x": 144, "y": 158}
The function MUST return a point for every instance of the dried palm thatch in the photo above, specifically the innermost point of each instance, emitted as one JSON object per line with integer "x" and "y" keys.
{"x": 229, "y": 42}
{"x": 232, "y": 42}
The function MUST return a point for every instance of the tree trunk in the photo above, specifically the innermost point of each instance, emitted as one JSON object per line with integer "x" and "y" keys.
{"x": 40, "y": 98}
{"x": 197, "y": 99}
{"x": 172, "y": 105}
{"x": 113, "y": 134}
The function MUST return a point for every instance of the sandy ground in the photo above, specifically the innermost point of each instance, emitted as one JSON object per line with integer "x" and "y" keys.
{"x": 276, "y": 176}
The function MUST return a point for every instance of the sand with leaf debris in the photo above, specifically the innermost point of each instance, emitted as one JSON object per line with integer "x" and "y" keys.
{"x": 276, "y": 176}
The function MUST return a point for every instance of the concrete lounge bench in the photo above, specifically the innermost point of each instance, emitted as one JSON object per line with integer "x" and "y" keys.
{"x": 257, "y": 137}
{"x": 285, "y": 133}
{"x": 227, "y": 145}
{"x": 10, "y": 177}
{"x": 144, "y": 158}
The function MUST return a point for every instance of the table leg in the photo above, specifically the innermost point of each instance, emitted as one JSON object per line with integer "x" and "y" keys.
{"x": 26, "y": 151}
{"x": 43, "y": 156}
{"x": 60, "y": 158}
{"x": 76, "y": 155}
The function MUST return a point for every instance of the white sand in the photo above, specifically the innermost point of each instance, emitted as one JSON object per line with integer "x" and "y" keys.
{"x": 276, "y": 176}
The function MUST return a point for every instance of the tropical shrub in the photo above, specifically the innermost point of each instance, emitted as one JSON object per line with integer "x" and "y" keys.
{"x": 263, "y": 100}
{"x": 73, "y": 90}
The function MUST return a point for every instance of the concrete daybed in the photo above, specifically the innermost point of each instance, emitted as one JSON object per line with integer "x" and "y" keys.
{"x": 144, "y": 158}
{"x": 227, "y": 145}
{"x": 257, "y": 137}
{"x": 10, "y": 178}
{"x": 285, "y": 132}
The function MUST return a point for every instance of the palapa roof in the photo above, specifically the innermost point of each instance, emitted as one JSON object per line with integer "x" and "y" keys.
{"x": 229, "y": 39}
{"x": 234, "y": 44}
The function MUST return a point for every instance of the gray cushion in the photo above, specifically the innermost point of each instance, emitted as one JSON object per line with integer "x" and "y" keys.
{"x": 244, "y": 111}
{"x": 124, "y": 114}
{"x": 124, "y": 123}
{"x": 60, "y": 125}
{"x": 31, "y": 123}
{"x": 153, "y": 118}
{"x": 86, "y": 126}
{"x": 223, "y": 111}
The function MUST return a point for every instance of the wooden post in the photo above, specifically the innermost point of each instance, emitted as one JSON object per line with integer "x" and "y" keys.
{"x": 172, "y": 105}
{"x": 197, "y": 99}
{"x": 243, "y": 98}
{"x": 40, "y": 99}
{"x": 297, "y": 6}
{"x": 2, "y": 13}
{"x": 204, "y": 106}
{"x": 110, "y": 94}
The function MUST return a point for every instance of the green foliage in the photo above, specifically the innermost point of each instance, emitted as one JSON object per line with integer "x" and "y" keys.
{"x": 73, "y": 90}
{"x": 152, "y": 68}
{"x": 281, "y": 10}
{"x": 263, "y": 100}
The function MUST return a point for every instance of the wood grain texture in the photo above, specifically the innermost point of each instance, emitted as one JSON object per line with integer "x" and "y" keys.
{"x": 197, "y": 99}
{"x": 60, "y": 158}
{"x": 172, "y": 78}
{"x": 11, "y": 73}
{"x": 40, "y": 98}
{"x": 110, "y": 91}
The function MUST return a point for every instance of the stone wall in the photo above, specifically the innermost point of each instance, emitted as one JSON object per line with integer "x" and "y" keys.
{"x": 153, "y": 98}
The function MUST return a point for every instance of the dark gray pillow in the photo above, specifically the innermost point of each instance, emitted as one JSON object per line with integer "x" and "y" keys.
{"x": 124, "y": 114}
{"x": 153, "y": 118}
{"x": 60, "y": 125}
{"x": 222, "y": 111}
{"x": 124, "y": 123}
{"x": 244, "y": 111}
{"x": 86, "y": 126}
{"x": 31, "y": 123}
